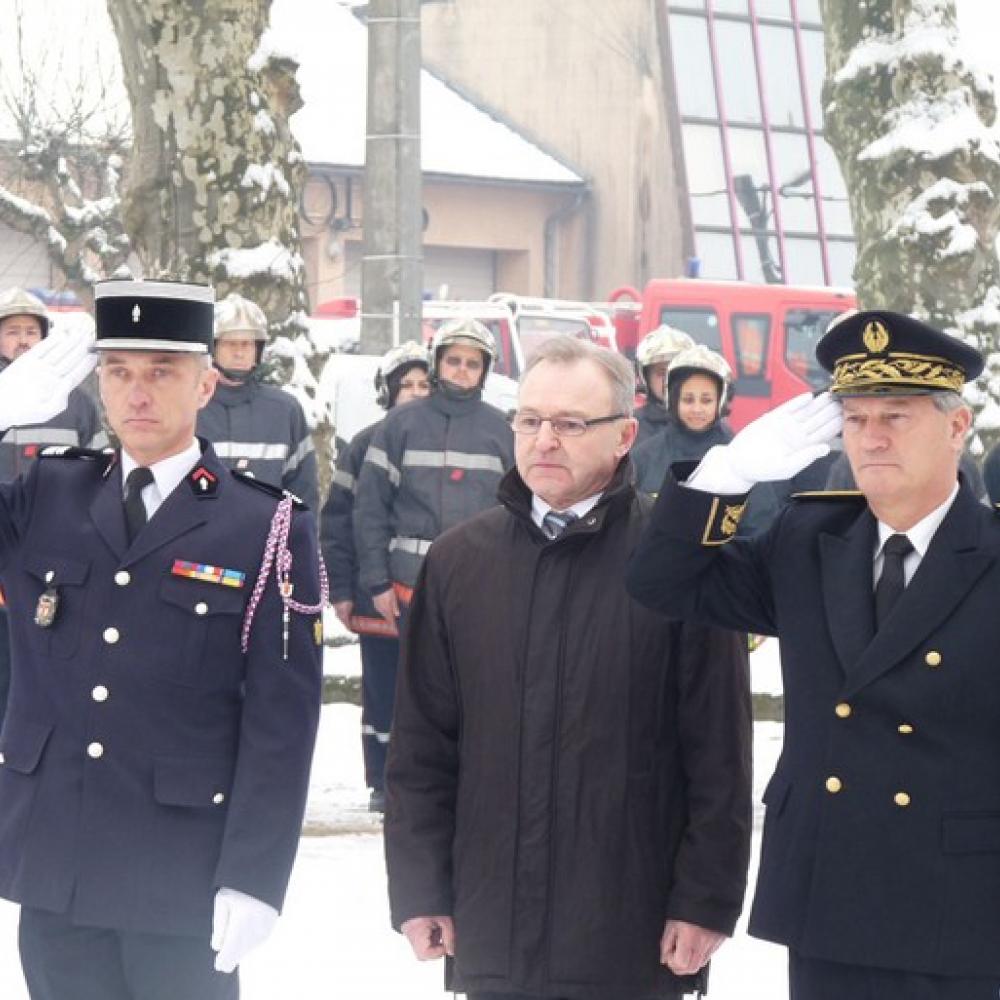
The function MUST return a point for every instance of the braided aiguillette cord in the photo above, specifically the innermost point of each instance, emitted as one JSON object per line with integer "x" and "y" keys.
{"x": 277, "y": 553}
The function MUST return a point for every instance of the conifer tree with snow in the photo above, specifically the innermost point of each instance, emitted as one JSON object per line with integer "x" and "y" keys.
{"x": 911, "y": 121}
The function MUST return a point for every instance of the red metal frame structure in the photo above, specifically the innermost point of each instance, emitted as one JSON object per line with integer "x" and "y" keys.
{"x": 708, "y": 12}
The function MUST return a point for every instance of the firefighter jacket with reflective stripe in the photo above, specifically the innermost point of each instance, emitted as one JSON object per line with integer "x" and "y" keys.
{"x": 261, "y": 429}
{"x": 432, "y": 464}
{"x": 78, "y": 426}
{"x": 337, "y": 526}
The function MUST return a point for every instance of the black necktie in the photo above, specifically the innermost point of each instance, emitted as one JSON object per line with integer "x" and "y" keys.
{"x": 892, "y": 581}
{"x": 135, "y": 509}
{"x": 557, "y": 521}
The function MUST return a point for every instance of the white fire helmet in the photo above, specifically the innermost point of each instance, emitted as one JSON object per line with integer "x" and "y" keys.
{"x": 395, "y": 358}
{"x": 662, "y": 344}
{"x": 700, "y": 358}
{"x": 18, "y": 302}
{"x": 463, "y": 331}
{"x": 237, "y": 315}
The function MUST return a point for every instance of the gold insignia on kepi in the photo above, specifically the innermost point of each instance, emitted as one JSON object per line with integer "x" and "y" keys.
{"x": 875, "y": 337}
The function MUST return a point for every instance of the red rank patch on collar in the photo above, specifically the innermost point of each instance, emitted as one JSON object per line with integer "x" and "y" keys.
{"x": 203, "y": 482}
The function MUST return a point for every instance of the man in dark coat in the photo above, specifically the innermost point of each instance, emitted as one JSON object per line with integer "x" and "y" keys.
{"x": 165, "y": 691}
{"x": 568, "y": 786}
{"x": 880, "y": 864}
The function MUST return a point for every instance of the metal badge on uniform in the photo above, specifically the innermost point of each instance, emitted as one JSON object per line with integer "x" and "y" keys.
{"x": 208, "y": 574}
{"x": 48, "y": 603}
{"x": 203, "y": 482}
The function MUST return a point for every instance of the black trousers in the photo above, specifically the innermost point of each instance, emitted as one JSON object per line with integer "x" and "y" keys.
{"x": 379, "y": 660}
{"x": 815, "y": 979}
{"x": 63, "y": 961}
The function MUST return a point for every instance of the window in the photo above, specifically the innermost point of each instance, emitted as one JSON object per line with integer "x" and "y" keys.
{"x": 804, "y": 262}
{"x": 701, "y": 324}
{"x": 779, "y": 69}
{"x": 794, "y": 181}
{"x": 706, "y": 175}
{"x": 808, "y": 10}
{"x": 734, "y": 44}
{"x": 693, "y": 66}
{"x": 836, "y": 209}
{"x": 803, "y": 328}
{"x": 730, "y": 7}
{"x": 533, "y": 331}
{"x": 717, "y": 255}
{"x": 842, "y": 254}
{"x": 751, "y": 335}
{"x": 814, "y": 60}
{"x": 774, "y": 8}
{"x": 754, "y": 248}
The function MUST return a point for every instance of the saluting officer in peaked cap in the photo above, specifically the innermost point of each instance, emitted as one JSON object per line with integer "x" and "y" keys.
{"x": 165, "y": 688}
{"x": 879, "y": 353}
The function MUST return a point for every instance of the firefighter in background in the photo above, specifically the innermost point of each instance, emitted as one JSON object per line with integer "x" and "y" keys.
{"x": 24, "y": 323}
{"x": 401, "y": 377}
{"x": 654, "y": 353}
{"x": 255, "y": 428}
{"x": 431, "y": 465}
{"x": 699, "y": 384}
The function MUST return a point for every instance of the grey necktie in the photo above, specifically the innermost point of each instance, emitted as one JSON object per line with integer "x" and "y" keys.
{"x": 557, "y": 521}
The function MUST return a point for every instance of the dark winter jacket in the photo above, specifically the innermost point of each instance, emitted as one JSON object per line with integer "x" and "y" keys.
{"x": 432, "y": 464}
{"x": 676, "y": 443}
{"x": 261, "y": 429}
{"x": 79, "y": 425}
{"x": 566, "y": 770}
{"x": 337, "y": 528}
{"x": 652, "y": 417}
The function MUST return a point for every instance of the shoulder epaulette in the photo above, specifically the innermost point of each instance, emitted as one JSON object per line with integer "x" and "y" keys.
{"x": 829, "y": 495}
{"x": 70, "y": 451}
{"x": 241, "y": 475}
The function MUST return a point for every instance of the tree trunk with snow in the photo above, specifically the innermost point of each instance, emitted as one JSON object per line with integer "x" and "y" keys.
{"x": 212, "y": 189}
{"x": 910, "y": 120}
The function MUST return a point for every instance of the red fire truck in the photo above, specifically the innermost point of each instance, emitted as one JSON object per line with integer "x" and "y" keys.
{"x": 767, "y": 333}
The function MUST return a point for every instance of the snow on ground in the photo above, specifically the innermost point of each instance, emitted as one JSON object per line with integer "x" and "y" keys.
{"x": 334, "y": 939}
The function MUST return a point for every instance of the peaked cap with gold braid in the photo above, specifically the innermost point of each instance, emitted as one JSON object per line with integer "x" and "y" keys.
{"x": 878, "y": 353}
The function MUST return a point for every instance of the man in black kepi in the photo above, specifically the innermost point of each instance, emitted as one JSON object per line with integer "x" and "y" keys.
{"x": 155, "y": 755}
{"x": 880, "y": 863}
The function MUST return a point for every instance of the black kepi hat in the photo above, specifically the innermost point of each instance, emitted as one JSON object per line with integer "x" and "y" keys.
{"x": 154, "y": 316}
{"x": 880, "y": 353}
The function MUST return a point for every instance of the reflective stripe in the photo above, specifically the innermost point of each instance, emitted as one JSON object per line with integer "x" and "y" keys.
{"x": 42, "y": 435}
{"x": 99, "y": 441}
{"x": 304, "y": 449}
{"x": 455, "y": 459}
{"x": 378, "y": 457}
{"x": 367, "y": 730}
{"x": 250, "y": 449}
{"x": 415, "y": 546}
{"x": 344, "y": 480}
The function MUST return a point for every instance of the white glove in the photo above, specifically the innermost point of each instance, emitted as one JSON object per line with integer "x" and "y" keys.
{"x": 776, "y": 446}
{"x": 36, "y": 386}
{"x": 239, "y": 924}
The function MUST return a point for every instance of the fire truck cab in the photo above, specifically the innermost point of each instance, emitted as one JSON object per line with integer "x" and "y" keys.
{"x": 767, "y": 333}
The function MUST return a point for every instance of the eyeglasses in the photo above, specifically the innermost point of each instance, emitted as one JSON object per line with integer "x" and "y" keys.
{"x": 529, "y": 424}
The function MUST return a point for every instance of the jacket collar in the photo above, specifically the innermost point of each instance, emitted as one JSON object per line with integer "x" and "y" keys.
{"x": 514, "y": 494}
{"x": 454, "y": 405}
{"x": 955, "y": 560}
{"x": 179, "y": 513}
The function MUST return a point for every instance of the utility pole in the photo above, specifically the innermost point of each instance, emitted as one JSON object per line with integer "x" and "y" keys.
{"x": 391, "y": 270}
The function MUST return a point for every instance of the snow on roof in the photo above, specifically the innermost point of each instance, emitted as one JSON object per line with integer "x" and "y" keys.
{"x": 458, "y": 139}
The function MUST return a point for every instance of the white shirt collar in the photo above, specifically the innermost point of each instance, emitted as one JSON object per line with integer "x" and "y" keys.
{"x": 168, "y": 472}
{"x": 539, "y": 508}
{"x": 921, "y": 534}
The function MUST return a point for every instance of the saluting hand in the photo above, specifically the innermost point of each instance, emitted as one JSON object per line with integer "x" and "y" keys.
{"x": 36, "y": 386}
{"x": 776, "y": 446}
{"x": 685, "y": 948}
{"x": 430, "y": 937}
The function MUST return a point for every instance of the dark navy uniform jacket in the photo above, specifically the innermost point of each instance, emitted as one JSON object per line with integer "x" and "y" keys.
{"x": 145, "y": 761}
{"x": 882, "y": 830}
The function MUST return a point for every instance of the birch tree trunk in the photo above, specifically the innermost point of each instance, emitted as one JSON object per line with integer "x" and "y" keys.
{"x": 909, "y": 120}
